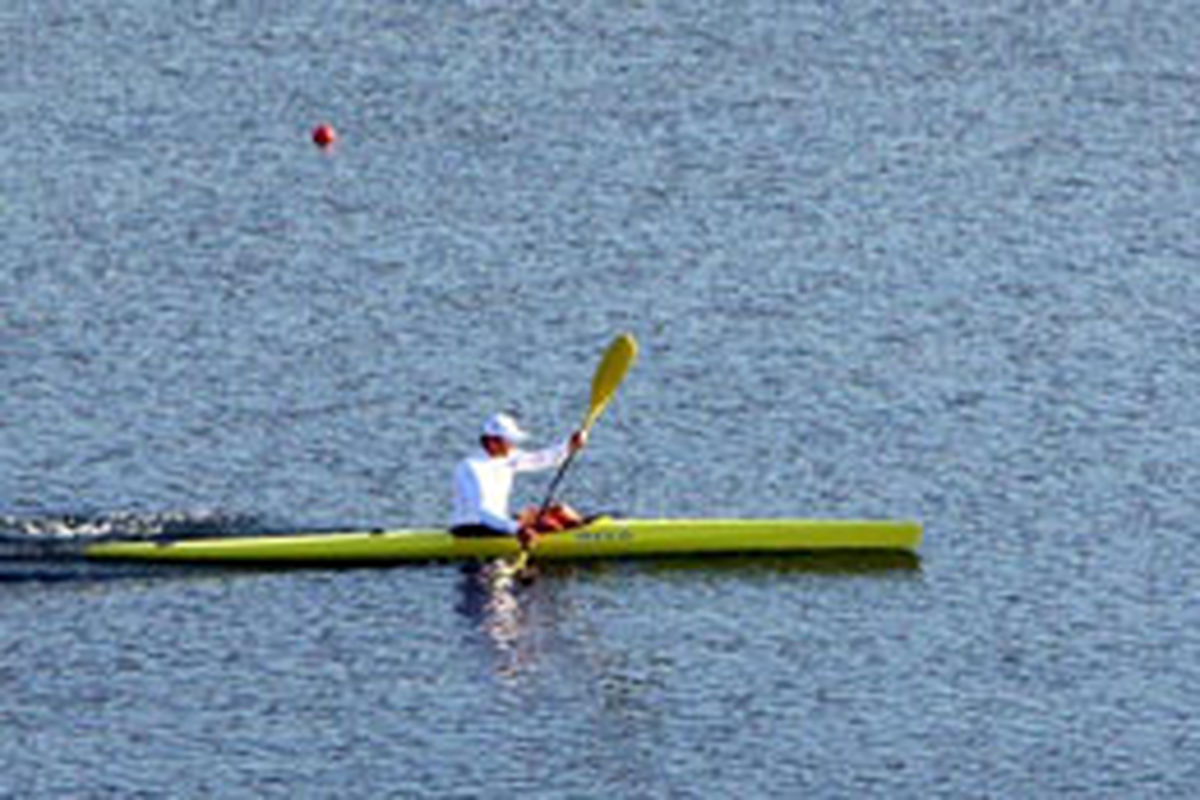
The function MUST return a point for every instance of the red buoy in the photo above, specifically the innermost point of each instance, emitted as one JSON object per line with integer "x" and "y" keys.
{"x": 324, "y": 136}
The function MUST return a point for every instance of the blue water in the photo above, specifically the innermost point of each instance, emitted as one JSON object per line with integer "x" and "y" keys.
{"x": 927, "y": 260}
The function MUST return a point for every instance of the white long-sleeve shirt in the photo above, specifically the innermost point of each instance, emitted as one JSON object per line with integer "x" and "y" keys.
{"x": 482, "y": 485}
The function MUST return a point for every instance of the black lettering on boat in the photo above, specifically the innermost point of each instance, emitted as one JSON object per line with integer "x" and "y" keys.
{"x": 622, "y": 535}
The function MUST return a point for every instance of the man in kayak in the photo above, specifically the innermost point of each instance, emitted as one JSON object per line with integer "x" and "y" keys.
{"x": 483, "y": 483}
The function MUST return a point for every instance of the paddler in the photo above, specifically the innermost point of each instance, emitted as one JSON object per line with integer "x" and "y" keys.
{"x": 483, "y": 482}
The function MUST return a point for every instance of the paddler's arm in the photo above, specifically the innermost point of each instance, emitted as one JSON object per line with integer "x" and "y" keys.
{"x": 551, "y": 457}
{"x": 527, "y": 523}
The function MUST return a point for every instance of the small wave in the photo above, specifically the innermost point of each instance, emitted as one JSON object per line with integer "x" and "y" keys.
{"x": 54, "y": 535}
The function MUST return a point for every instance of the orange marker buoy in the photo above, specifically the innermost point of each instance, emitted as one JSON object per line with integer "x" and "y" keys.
{"x": 324, "y": 136}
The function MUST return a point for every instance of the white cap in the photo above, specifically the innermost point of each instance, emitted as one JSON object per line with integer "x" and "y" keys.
{"x": 503, "y": 426}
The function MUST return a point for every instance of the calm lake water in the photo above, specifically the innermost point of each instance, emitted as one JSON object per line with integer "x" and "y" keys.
{"x": 915, "y": 259}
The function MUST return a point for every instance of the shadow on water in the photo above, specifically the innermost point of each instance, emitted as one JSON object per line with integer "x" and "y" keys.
{"x": 75, "y": 569}
{"x": 486, "y": 590}
{"x": 832, "y": 562}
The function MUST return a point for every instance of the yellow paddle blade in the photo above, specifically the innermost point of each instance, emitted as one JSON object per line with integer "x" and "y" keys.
{"x": 616, "y": 362}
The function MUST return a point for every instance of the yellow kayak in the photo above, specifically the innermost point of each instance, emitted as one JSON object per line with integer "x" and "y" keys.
{"x": 605, "y": 537}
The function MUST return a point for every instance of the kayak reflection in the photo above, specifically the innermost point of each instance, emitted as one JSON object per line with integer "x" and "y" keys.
{"x": 821, "y": 562}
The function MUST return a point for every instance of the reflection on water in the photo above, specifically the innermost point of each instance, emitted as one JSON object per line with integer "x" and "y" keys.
{"x": 832, "y": 562}
{"x": 489, "y": 597}
{"x": 499, "y": 601}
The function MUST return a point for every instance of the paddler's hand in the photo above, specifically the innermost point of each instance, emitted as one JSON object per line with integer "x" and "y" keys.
{"x": 527, "y": 537}
{"x": 578, "y": 440}
{"x": 527, "y": 527}
{"x": 527, "y": 518}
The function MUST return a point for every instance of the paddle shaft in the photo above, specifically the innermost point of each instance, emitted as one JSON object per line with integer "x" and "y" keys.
{"x": 609, "y": 374}
{"x": 558, "y": 476}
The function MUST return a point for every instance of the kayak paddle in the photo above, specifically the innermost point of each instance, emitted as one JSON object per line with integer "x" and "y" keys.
{"x": 616, "y": 362}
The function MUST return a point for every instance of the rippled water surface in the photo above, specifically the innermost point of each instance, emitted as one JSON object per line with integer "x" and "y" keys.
{"x": 928, "y": 260}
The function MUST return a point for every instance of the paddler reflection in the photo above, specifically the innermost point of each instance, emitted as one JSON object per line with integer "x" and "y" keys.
{"x": 490, "y": 599}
